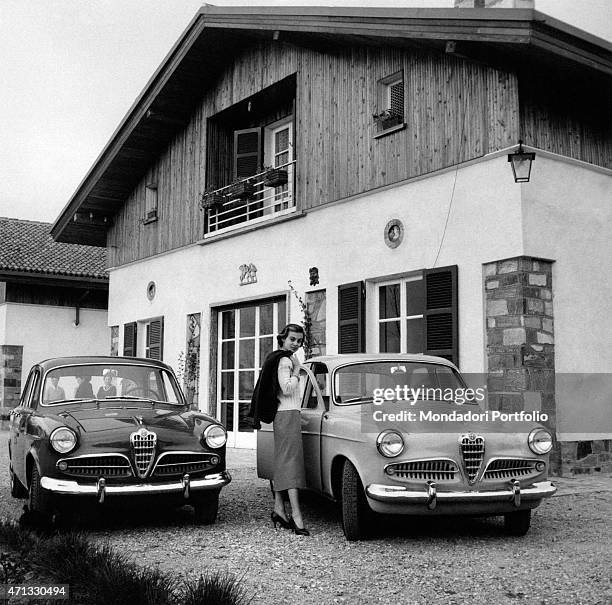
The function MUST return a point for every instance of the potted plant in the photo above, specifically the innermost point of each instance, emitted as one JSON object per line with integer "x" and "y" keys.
{"x": 211, "y": 198}
{"x": 274, "y": 177}
{"x": 387, "y": 119}
{"x": 241, "y": 189}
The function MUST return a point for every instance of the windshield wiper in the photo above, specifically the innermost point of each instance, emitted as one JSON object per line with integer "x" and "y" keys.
{"x": 62, "y": 401}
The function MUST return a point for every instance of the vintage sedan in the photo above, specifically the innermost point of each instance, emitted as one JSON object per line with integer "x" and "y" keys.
{"x": 403, "y": 434}
{"x": 102, "y": 429}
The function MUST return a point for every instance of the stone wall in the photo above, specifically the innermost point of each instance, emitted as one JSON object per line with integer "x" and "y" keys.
{"x": 10, "y": 375}
{"x": 520, "y": 337}
{"x": 585, "y": 457}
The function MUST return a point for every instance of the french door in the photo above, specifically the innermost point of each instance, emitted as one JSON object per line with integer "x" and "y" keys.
{"x": 246, "y": 335}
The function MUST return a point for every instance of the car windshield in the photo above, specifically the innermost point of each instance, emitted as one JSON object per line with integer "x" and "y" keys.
{"x": 393, "y": 380}
{"x": 109, "y": 381}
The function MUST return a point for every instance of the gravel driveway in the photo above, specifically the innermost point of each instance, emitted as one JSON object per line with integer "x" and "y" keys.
{"x": 564, "y": 559}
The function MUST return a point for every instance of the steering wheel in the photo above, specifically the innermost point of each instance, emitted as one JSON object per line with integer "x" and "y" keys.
{"x": 144, "y": 392}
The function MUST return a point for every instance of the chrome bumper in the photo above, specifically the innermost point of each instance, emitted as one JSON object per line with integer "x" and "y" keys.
{"x": 101, "y": 489}
{"x": 431, "y": 496}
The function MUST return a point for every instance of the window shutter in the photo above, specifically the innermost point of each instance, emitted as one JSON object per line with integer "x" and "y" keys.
{"x": 441, "y": 314}
{"x": 129, "y": 339}
{"x": 247, "y": 152}
{"x": 155, "y": 339}
{"x": 351, "y": 316}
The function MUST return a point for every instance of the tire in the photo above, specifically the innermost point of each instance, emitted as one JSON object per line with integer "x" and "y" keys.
{"x": 39, "y": 500}
{"x": 357, "y": 517}
{"x": 206, "y": 508}
{"x": 17, "y": 489}
{"x": 517, "y": 524}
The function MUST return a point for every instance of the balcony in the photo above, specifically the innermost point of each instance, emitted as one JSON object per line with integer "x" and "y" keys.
{"x": 248, "y": 201}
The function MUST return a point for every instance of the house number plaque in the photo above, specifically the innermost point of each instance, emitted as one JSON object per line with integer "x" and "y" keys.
{"x": 248, "y": 274}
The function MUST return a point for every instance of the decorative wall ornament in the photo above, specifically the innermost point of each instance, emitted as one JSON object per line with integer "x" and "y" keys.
{"x": 151, "y": 288}
{"x": 248, "y": 274}
{"x": 394, "y": 233}
{"x": 314, "y": 276}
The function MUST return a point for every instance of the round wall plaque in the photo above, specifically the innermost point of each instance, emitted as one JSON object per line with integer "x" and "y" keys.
{"x": 151, "y": 290}
{"x": 394, "y": 233}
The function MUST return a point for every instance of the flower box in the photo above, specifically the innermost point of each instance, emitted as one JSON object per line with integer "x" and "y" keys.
{"x": 242, "y": 190}
{"x": 211, "y": 199}
{"x": 275, "y": 177}
{"x": 387, "y": 119}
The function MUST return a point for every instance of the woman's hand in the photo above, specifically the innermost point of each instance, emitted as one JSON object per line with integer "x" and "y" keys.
{"x": 296, "y": 365}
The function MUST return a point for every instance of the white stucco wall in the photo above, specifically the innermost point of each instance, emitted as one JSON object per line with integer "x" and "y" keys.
{"x": 345, "y": 241}
{"x": 567, "y": 209}
{"x": 47, "y": 331}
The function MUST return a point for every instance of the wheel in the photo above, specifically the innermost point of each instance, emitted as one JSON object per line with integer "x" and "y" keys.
{"x": 17, "y": 489}
{"x": 517, "y": 524}
{"x": 357, "y": 516}
{"x": 39, "y": 500}
{"x": 205, "y": 508}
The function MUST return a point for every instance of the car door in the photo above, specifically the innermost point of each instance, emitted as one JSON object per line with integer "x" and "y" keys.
{"x": 19, "y": 421}
{"x": 312, "y": 412}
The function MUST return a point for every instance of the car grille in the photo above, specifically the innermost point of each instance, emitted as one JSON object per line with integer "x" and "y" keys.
{"x": 507, "y": 468}
{"x": 472, "y": 450}
{"x": 143, "y": 445}
{"x": 426, "y": 470}
{"x": 97, "y": 466}
{"x": 181, "y": 463}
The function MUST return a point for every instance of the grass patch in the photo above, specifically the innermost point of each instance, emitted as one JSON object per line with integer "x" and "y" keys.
{"x": 99, "y": 575}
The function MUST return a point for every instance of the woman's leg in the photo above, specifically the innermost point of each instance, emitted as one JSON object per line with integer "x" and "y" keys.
{"x": 279, "y": 504}
{"x": 296, "y": 511}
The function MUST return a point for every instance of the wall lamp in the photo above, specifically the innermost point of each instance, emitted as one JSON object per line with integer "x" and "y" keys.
{"x": 521, "y": 164}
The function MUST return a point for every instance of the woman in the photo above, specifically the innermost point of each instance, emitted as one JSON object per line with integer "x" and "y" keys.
{"x": 107, "y": 389}
{"x": 84, "y": 390}
{"x": 277, "y": 399}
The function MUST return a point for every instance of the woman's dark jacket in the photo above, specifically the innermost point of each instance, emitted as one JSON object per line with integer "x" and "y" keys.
{"x": 264, "y": 402}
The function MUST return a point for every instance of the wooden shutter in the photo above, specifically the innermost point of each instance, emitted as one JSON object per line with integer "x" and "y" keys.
{"x": 441, "y": 314}
{"x": 130, "y": 332}
{"x": 155, "y": 339}
{"x": 247, "y": 152}
{"x": 351, "y": 318}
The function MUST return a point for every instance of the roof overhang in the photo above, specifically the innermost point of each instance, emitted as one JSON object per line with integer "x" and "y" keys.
{"x": 54, "y": 279}
{"x": 216, "y": 34}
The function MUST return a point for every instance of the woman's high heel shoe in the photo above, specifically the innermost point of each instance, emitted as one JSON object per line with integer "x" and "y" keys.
{"x": 299, "y": 531}
{"x": 277, "y": 519}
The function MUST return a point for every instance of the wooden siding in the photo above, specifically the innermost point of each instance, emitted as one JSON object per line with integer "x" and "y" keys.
{"x": 455, "y": 111}
{"x": 570, "y": 117}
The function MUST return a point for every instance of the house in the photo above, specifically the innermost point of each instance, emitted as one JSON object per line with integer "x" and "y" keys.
{"x": 53, "y": 301}
{"x": 396, "y": 222}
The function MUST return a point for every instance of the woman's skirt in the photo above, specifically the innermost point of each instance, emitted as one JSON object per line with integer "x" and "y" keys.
{"x": 288, "y": 451}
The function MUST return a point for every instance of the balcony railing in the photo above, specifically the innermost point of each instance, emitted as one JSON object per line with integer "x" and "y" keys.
{"x": 250, "y": 201}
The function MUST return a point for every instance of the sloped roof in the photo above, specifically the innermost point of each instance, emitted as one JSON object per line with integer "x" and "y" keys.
{"x": 520, "y": 36}
{"x": 27, "y": 247}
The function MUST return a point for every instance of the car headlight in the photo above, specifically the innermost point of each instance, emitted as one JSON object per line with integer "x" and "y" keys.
{"x": 390, "y": 443}
{"x": 540, "y": 441}
{"x": 215, "y": 436}
{"x": 63, "y": 440}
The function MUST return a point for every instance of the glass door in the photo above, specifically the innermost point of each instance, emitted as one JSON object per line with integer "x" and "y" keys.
{"x": 246, "y": 335}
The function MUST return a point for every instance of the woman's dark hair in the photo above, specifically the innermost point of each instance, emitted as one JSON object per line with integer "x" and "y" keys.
{"x": 285, "y": 332}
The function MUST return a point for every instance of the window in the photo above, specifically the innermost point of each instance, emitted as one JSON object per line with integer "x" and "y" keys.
{"x": 114, "y": 348}
{"x": 400, "y": 316}
{"x": 390, "y": 102}
{"x": 415, "y": 313}
{"x": 150, "y": 203}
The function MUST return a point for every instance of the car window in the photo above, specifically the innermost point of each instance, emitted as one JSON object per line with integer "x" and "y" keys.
{"x": 104, "y": 381}
{"x": 27, "y": 389}
{"x": 363, "y": 382}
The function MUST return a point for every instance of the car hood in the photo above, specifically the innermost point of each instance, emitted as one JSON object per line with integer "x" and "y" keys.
{"x": 128, "y": 418}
